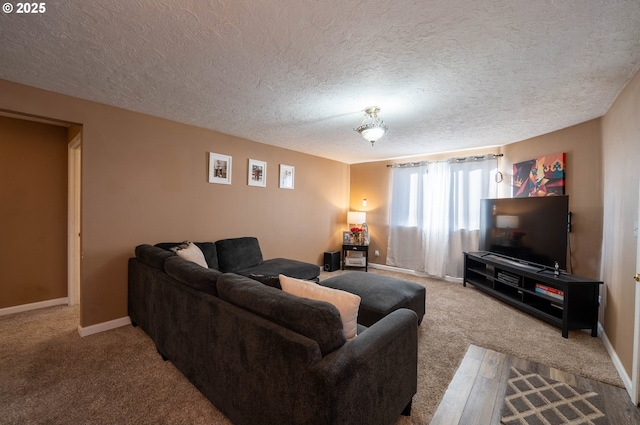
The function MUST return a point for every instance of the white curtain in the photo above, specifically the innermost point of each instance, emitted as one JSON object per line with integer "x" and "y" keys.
{"x": 470, "y": 182}
{"x": 405, "y": 244}
{"x": 434, "y": 214}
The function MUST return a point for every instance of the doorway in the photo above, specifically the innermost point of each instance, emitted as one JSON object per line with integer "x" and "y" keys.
{"x": 38, "y": 155}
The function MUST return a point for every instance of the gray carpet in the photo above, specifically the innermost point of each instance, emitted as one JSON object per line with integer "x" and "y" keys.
{"x": 532, "y": 399}
{"x": 50, "y": 375}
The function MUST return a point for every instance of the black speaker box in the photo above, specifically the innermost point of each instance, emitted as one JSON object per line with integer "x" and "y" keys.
{"x": 331, "y": 261}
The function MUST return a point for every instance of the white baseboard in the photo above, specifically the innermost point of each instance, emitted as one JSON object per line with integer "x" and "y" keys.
{"x": 104, "y": 326}
{"x": 626, "y": 379}
{"x": 413, "y": 272}
{"x": 86, "y": 331}
{"x": 395, "y": 269}
{"x": 33, "y": 306}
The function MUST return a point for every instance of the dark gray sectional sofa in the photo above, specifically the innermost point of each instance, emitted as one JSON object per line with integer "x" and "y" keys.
{"x": 263, "y": 356}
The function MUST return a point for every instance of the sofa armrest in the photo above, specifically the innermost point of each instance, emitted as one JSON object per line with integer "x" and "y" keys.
{"x": 374, "y": 376}
{"x": 152, "y": 256}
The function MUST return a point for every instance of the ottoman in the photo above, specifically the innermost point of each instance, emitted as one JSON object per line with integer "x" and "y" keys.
{"x": 380, "y": 295}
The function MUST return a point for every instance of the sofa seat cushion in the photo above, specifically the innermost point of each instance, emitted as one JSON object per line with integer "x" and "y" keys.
{"x": 317, "y": 320}
{"x": 152, "y": 256}
{"x": 238, "y": 254}
{"x": 192, "y": 274}
{"x": 208, "y": 250}
{"x": 285, "y": 266}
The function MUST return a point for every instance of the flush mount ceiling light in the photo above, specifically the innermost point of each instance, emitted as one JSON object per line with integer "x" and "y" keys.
{"x": 372, "y": 128}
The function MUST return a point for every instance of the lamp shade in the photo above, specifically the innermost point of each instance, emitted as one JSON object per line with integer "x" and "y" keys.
{"x": 507, "y": 221}
{"x": 356, "y": 217}
{"x": 373, "y": 133}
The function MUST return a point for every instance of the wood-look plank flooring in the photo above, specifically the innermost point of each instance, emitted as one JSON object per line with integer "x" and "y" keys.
{"x": 476, "y": 392}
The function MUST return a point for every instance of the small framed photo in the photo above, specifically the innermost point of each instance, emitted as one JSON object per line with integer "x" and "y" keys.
{"x": 287, "y": 175}
{"x": 257, "y": 173}
{"x": 346, "y": 237}
{"x": 219, "y": 168}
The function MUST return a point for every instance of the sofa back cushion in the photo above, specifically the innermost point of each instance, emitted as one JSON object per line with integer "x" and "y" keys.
{"x": 192, "y": 274}
{"x": 316, "y": 320}
{"x": 238, "y": 254}
{"x": 152, "y": 256}
{"x": 207, "y": 248}
{"x": 347, "y": 303}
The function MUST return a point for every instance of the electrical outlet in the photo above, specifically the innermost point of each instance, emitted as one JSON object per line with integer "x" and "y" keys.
{"x": 599, "y": 299}
{"x": 376, "y": 253}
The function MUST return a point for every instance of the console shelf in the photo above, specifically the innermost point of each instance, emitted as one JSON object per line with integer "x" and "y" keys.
{"x": 566, "y": 301}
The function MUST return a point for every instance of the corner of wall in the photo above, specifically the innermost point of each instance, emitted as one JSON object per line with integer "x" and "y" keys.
{"x": 105, "y": 326}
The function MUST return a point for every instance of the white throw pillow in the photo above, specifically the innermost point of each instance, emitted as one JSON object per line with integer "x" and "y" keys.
{"x": 346, "y": 302}
{"x": 190, "y": 251}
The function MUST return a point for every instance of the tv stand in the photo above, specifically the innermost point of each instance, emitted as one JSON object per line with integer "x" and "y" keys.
{"x": 567, "y": 301}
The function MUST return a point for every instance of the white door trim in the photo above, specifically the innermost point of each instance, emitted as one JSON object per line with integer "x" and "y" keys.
{"x": 635, "y": 372}
{"x": 74, "y": 157}
{"x": 635, "y": 378}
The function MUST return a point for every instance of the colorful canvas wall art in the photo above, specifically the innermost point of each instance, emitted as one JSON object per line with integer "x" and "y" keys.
{"x": 542, "y": 176}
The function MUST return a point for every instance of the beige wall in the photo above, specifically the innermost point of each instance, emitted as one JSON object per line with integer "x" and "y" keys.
{"x": 621, "y": 156}
{"x": 33, "y": 212}
{"x": 144, "y": 180}
{"x": 370, "y": 181}
{"x": 583, "y": 184}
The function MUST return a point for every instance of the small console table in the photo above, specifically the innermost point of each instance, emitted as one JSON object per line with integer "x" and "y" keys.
{"x": 567, "y": 301}
{"x": 355, "y": 248}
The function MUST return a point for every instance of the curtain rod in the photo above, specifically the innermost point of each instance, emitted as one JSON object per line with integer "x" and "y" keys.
{"x": 455, "y": 159}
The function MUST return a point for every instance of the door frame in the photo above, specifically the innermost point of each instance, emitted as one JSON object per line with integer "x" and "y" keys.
{"x": 635, "y": 368}
{"x": 635, "y": 373}
{"x": 74, "y": 253}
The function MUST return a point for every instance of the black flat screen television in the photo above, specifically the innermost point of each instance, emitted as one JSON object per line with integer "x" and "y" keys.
{"x": 533, "y": 230}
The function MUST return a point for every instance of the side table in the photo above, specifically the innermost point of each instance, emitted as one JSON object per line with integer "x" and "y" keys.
{"x": 355, "y": 248}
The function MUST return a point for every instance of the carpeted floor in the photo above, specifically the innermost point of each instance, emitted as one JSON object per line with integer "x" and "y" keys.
{"x": 49, "y": 374}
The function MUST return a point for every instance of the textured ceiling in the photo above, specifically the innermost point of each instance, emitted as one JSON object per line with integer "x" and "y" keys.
{"x": 448, "y": 75}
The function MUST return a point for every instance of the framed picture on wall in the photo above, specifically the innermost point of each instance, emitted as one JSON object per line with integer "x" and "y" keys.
{"x": 287, "y": 174}
{"x": 257, "y": 173}
{"x": 542, "y": 176}
{"x": 219, "y": 168}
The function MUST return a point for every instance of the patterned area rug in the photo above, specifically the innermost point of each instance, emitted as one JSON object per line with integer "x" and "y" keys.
{"x": 532, "y": 399}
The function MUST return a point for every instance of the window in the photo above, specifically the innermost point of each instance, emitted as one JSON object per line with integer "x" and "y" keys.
{"x": 435, "y": 214}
